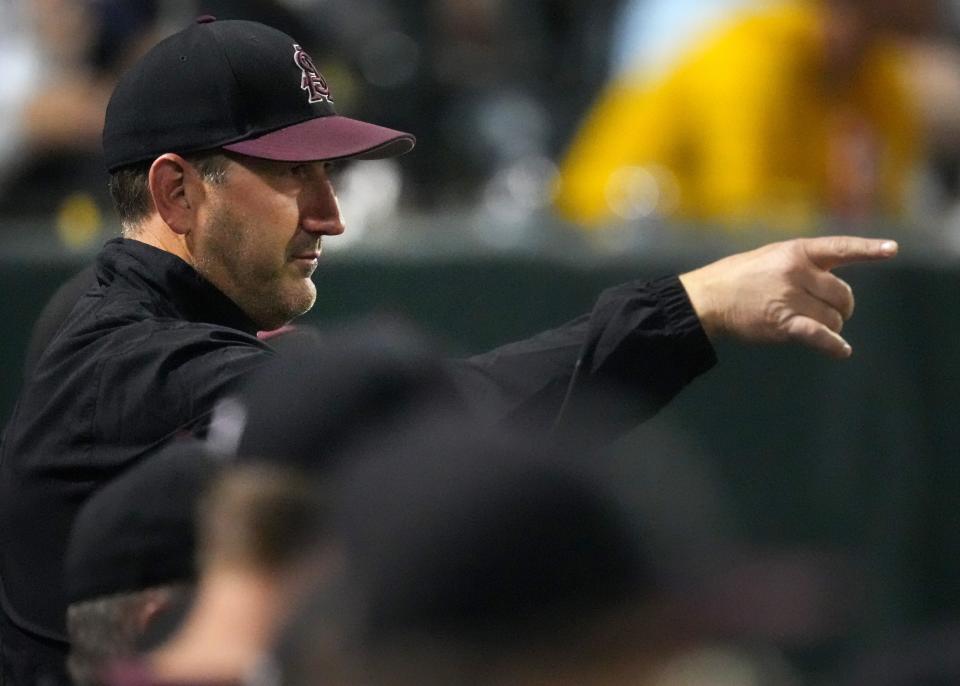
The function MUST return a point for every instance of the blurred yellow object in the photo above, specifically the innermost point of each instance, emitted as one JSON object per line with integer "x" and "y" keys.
{"x": 749, "y": 128}
{"x": 79, "y": 221}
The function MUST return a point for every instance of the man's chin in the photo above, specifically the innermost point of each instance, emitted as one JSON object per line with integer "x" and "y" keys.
{"x": 285, "y": 310}
{"x": 305, "y": 300}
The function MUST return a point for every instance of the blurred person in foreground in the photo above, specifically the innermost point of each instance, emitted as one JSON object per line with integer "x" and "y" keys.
{"x": 264, "y": 526}
{"x": 130, "y": 566}
{"x": 772, "y": 115}
{"x": 479, "y": 557}
{"x": 257, "y": 526}
{"x": 219, "y": 142}
{"x": 60, "y": 60}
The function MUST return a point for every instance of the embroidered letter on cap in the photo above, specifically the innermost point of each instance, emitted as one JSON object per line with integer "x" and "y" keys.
{"x": 311, "y": 81}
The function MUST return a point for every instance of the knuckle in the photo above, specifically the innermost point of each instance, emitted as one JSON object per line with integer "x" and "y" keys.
{"x": 776, "y": 246}
{"x": 790, "y": 262}
{"x": 798, "y": 328}
{"x": 795, "y": 248}
{"x": 776, "y": 314}
{"x": 839, "y": 246}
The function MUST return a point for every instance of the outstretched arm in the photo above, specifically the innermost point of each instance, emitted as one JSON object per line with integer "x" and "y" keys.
{"x": 643, "y": 342}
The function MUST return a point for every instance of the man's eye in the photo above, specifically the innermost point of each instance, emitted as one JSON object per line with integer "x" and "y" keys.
{"x": 298, "y": 169}
{"x": 334, "y": 169}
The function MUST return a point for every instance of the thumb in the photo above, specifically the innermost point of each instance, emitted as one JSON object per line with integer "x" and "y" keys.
{"x": 828, "y": 252}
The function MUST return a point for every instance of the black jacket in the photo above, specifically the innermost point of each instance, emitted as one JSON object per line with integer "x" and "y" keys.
{"x": 146, "y": 352}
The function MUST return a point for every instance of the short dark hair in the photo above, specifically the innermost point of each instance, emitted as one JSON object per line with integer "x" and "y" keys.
{"x": 131, "y": 193}
{"x": 262, "y": 516}
{"x": 109, "y": 628}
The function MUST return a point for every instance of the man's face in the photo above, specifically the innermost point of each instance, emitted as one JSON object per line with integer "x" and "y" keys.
{"x": 258, "y": 236}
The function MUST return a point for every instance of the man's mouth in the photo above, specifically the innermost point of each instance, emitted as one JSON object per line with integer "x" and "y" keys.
{"x": 312, "y": 253}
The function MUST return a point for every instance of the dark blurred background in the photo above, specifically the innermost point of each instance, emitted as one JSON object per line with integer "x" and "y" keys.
{"x": 563, "y": 146}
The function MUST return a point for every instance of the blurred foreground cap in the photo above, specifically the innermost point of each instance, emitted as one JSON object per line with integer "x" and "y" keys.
{"x": 462, "y": 531}
{"x": 327, "y": 389}
{"x": 138, "y": 531}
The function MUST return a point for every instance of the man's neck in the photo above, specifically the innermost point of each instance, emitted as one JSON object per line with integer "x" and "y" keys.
{"x": 154, "y": 232}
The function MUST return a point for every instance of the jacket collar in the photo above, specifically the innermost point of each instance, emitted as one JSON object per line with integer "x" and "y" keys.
{"x": 179, "y": 287}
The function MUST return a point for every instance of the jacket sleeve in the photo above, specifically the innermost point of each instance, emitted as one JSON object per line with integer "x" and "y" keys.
{"x": 167, "y": 384}
{"x": 611, "y": 368}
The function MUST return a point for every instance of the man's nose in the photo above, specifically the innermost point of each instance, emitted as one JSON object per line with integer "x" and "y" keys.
{"x": 320, "y": 210}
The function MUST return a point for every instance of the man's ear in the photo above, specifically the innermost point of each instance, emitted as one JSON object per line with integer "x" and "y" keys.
{"x": 157, "y": 601}
{"x": 177, "y": 190}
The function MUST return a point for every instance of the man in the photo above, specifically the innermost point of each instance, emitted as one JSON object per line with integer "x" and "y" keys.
{"x": 217, "y": 142}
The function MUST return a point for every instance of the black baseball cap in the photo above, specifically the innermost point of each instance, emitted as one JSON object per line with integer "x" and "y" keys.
{"x": 326, "y": 390}
{"x": 463, "y": 530}
{"x": 138, "y": 531}
{"x": 238, "y": 85}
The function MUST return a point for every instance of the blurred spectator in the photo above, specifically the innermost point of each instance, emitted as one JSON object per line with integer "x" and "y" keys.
{"x": 491, "y": 89}
{"x": 61, "y": 59}
{"x": 445, "y": 70}
{"x": 45, "y": 46}
{"x": 130, "y": 566}
{"x": 779, "y": 114}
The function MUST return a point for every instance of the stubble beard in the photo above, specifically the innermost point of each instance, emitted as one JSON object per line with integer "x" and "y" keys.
{"x": 228, "y": 258}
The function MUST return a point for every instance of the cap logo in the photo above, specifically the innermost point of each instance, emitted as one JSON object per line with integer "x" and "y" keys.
{"x": 311, "y": 80}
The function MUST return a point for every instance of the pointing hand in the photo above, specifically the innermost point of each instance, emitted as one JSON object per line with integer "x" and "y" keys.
{"x": 783, "y": 291}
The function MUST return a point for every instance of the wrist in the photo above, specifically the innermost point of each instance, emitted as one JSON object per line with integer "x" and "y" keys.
{"x": 700, "y": 296}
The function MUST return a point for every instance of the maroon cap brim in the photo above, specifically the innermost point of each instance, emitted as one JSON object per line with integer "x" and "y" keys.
{"x": 327, "y": 138}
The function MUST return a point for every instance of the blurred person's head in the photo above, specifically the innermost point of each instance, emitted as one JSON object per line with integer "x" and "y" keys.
{"x": 257, "y": 525}
{"x": 108, "y": 629}
{"x": 97, "y": 35}
{"x": 122, "y": 31}
{"x": 130, "y": 565}
{"x": 66, "y": 28}
{"x": 327, "y": 389}
{"x": 250, "y": 213}
{"x": 479, "y": 557}
{"x": 264, "y": 527}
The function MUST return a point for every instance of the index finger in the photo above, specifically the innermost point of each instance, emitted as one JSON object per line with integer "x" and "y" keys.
{"x": 828, "y": 252}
